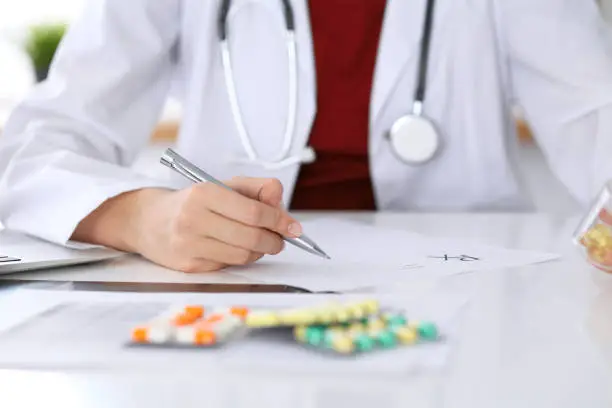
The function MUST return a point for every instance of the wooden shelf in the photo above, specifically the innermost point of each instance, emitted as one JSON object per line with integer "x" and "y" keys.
{"x": 165, "y": 132}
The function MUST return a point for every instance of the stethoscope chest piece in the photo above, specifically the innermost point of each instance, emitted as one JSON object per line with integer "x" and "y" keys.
{"x": 414, "y": 139}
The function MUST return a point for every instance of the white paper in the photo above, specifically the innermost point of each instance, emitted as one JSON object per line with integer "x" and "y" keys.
{"x": 95, "y": 331}
{"x": 368, "y": 256}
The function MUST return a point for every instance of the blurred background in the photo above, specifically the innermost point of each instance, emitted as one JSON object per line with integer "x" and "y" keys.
{"x": 31, "y": 29}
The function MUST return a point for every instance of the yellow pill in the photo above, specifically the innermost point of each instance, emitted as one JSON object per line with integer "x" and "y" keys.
{"x": 300, "y": 333}
{"x": 355, "y": 328}
{"x": 342, "y": 315}
{"x": 376, "y": 324}
{"x": 413, "y": 324}
{"x": 335, "y": 331}
{"x": 342, "y": 344}
{"x": 294, "y": 317}
{"x": 262, "y": 319}
{"x": 355, "y": 311}
{"x": 406, "y": 335}
{"x": 325, "y": 316}
{"x": 370, "y": 306}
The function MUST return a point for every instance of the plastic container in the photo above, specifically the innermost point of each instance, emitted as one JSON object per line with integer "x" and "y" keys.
{"x": 594, "y": 233}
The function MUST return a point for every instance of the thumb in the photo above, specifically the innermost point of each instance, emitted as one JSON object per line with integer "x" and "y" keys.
{"x": 266, "y": 190}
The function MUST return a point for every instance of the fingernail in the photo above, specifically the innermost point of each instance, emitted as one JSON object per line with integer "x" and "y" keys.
{"x": 295, "y": 229}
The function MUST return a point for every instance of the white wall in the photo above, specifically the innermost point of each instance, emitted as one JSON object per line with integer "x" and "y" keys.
{"x": 15, "y": 15}
{"x": 606, "y": 8}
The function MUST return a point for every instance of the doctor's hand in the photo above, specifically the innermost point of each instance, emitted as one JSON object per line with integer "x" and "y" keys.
{"x": 202, "y": 228}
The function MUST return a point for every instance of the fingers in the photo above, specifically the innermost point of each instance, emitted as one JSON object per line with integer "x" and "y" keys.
{"x": 215, "y": 226}
{"x": 203, "y": 253}
{"x": 266, "y": 190}
{"x": 248, "y": 211}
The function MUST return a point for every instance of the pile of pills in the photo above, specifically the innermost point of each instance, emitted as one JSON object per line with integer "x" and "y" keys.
{"x": 368, "y": 334}
{"x": 597, "y": 241}
{"x": 190, "y": 326}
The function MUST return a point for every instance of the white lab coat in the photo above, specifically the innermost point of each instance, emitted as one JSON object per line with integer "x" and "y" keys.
{"x": 68, "y": 146}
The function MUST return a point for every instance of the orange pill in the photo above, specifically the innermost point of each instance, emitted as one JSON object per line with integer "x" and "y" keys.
{"x": 140, "y": 335}
{"x": 195, "y": 311}
{"x": 239, "y": 311}
{"x": 215, "y": 317}
{"x": 184, "y": 319}
{"x": 204, "y": 336}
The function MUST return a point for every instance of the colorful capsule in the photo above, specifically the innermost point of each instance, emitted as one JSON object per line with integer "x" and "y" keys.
{"x": 315, "y": 336}
{"x": 395, "y": 319}
{"x": 299, "y": 332}
{"x": 363, "y": 342}
{"x": 261, "y": 319}
{"x": 370, "y": 306}
{"x": 198, "y": 335}
{"x": 325, "y": 316}
{"x": 239, "y": 311}
{"x": 297, "y": 317}
{"x": 427, "y": 331}
{"x": 375, "y": 324}
{"x": 341, "y": 315}
{"x": 342, "y": 343}
{"x": 355, "y": 329}
{"x": 386, "y": 339}
{"x": 406, "y": 335}
{"x": 153, "y": 334}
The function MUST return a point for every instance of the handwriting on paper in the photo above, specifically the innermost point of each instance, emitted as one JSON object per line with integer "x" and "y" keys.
{"x": 463, "y": 258}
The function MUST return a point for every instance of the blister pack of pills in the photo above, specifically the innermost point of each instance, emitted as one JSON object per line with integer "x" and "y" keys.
{"x": 191, "y": 326}
{"x": 326, "y": 313}
{"x": 386, "y": 331}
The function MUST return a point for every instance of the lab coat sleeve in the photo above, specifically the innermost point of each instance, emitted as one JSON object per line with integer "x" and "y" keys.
{"x": 68, "y": 146}
{"x": 560, "y": 58}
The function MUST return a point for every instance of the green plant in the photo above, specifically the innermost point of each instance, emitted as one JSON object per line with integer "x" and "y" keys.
{"x": 41, "y": 43}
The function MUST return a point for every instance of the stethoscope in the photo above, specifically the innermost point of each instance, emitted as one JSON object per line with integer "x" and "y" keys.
{"x": 413, "y": 137}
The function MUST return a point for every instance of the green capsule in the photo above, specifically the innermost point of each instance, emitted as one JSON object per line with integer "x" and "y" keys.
{"x": 315, "y": 336}
{"x": 427, "y": 331}
{"x": 363, "y": 342}
{"x": 387, "y": 339}
{"x": 395, "y": 320}
{"x": 330, "y": 334}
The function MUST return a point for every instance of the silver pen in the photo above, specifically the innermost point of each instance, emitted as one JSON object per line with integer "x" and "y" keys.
{"x": 181, "y": 165}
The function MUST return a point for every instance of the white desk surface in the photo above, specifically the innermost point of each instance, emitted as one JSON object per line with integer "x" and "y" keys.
{"x": 538, "y": 336}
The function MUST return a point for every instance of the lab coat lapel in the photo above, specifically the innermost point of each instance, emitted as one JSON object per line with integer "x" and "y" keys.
{"x": 399, "y": 42}
{"x": 306, "y": 104}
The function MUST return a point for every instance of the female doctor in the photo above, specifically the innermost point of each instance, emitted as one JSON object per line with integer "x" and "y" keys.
{"x": 323, "y": 104}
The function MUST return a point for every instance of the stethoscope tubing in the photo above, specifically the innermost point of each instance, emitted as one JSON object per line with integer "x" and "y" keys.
{"x": 291, "y": 46}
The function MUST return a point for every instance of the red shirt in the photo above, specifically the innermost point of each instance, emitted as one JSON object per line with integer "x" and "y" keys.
{"x": 345, "y": 37}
